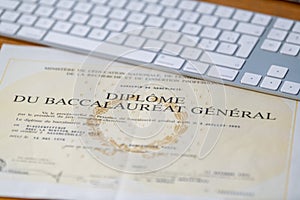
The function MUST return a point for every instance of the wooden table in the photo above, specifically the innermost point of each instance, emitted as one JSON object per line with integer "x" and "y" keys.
{"x": 272, "y": 7}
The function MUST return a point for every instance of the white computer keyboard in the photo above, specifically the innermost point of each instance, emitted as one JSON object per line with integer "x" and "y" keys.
{"x": 222, "y": 44}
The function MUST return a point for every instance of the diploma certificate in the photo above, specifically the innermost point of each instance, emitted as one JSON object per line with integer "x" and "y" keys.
{"x": 77, "y": 127}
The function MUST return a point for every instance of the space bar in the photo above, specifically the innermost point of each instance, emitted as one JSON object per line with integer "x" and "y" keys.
{"x": 102, "y": 48}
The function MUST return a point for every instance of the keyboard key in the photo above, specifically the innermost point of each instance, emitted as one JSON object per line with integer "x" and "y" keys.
{"x": 261, "y": 19}
{"x": 115, "y": 25}
{"x": 101, "y": 10}
{"x": 9, "y": 4}
{"x": 48, "y": 2}
{"x": 79, "y": 18}
{"x": 188, "y": 16}
{"x": 277, "y": 34}
{"x": 44, "y": 11}
{"x": 208, "y": 20}
{"x": 67, "y": 4}
{"x": 154, "y": 21}
{"x": 277, "y": 71}
{"x": 270, "y": 45}
{"x": 153, "y": 45}
{"x": 10, "y": 16}
{"x": 297, "y": 27}
{"x": 187, "y": 5}
{"x": 31, "y": 1}
{"x": 173, "y": 25}
{"x": 135, "y": 41}
{"x": 251, "y": 79}
{"x": 170, "y": 3}
{"x": 169, "y": 36}
{"x": 152, "y": 1}
{"x": 83, "y": 7}
{"x": 242, "y": 15}
{"x": 133, "y": 29}
{"x": 98, "y": 34}
{"x": 250, "y": 29}
{"x": 192, "y": 29}
{"x": 169, "y": 61}
{"x": 188, "y": 40}
{"x": 61, "y": 26}
{"x": 284, "y": 24}
{"x": 98, "y": 22}
{"x": 206, "y": 8}
{"x": 26, "y": 19}
{"x": 27, "y": 7}
{"x": 293, "y": 38}
{"x": 138, "y": 18}
{"x": 117, "y": 3}
{"x": 118, "y": 14}
{"x": 80, "y": 30}
{"x": 45, "y": 23}
{"x": 153, "y": 9}
{"x": 222, "y": 73}
{"x": 31, "y": 33}
{"x": 208, "y": 44}
{"x": 290, "y": 87}
{"x": 135, "y": 55}
{"x": 270, "y": 83}
{"x": 152, "y": 33}
{"x": 195, "y": 67}
{"x": 135, "y": 6}
{"x": 209, "y": 32}
{"x": 117, "y": 38}
{"x": 61, "y": 14}
{"x": 227, "y": 48}
{"x": 222, "y": 60}
{"x": 289, "y": 49}
{"x": 224, "y": 11}
{"x": 227, "y": 24}
{"x": 171, "y": 13}
{"x": 88, "y": 45}
{"x": 228, "y": 36}
{"x": 247, "y": 44}
{"x": 8, "y": 28}
{"x": 172, "y": 49}
{"x": 191, "y": 53}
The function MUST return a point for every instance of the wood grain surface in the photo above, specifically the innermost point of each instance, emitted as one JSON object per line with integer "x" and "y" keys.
{"x": 272, "y": 7}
